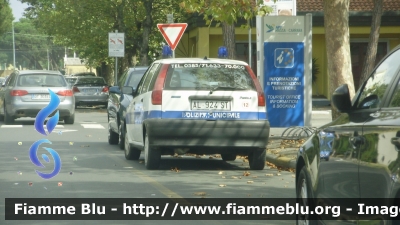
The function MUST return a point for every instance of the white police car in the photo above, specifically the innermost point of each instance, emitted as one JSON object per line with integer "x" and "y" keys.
{"x": 199, "y": 106}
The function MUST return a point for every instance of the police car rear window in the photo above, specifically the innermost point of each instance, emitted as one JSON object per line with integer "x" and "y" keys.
{"x": 203, "y": 76}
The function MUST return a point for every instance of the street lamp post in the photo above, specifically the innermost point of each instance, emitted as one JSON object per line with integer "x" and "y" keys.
{"x": 13, "y": 43}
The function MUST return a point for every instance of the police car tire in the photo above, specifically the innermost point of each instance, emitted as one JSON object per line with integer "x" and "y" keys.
{"x": 257, "y": 159}
{"x": 228, "y": 157}
{"x": 131, "y": 153}
{"x": 152, "y": 157}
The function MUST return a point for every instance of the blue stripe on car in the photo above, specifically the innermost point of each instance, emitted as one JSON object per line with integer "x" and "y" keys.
{"x": 194, "y": 115}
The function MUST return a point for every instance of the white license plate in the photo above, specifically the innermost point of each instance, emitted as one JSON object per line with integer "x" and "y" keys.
{"x": 210, "y": 105}
{"x": 40, "y": 96}
{"x": 87, "y": 90}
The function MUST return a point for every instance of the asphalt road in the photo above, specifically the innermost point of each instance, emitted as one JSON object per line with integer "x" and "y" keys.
{"x": 91, "y": 168}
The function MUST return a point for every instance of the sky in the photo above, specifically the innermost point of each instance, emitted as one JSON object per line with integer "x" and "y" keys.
{"x": 17, "y": 8}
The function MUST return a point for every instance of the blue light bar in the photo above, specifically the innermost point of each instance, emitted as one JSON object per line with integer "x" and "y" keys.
{"x": 166, "y": 51}
{"x": 222, "y": 52}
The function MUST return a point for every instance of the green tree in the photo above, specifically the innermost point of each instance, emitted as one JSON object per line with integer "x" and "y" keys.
{"x": 84, "y": 26}
{"x": 226, "y": 12}
{"x": 6, "y": 17}
{"x": 336, "y": 22}
{"x": 33, "y": 49}
{"x": 370, "y": 56}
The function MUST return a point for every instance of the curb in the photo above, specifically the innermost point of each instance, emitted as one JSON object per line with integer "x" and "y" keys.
{"x": 281, "y": 161}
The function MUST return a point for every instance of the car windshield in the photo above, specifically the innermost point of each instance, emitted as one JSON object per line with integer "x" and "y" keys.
{"x": 91, "y": 81}
{"x": 199, "y": 76}
{"x": 134, "y": 79}
{"x": 43, "y": 80}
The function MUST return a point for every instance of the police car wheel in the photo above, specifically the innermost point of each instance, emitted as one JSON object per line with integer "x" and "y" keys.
{"x": 152, "y": 157}
{"x": 257, "y": 159}
{"x": 228, "y": 157}
{"x": 130, "y": 152}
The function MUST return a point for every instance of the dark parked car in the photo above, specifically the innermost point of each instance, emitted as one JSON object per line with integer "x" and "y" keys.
{"x": 26, "y": 92}
{"x": 364, "y": 160}
{"x": 71, "y": 80}
{"x": 118, "y": 102}
{"x": 90, "y": 91}
{"x": 83, "y": 74}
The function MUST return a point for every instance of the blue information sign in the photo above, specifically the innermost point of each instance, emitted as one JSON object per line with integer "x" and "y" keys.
{"x": 284, "y": 83}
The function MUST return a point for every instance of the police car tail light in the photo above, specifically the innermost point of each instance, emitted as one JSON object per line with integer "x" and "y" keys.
{"x": 260, "y": 93}
{"x": 261, "y": 99}
{"x": 156, "y": 95}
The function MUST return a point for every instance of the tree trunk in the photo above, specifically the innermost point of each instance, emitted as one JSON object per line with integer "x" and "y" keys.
{"x": 104, "y": 70}
{"x": 370, "y": 56}
{"x": 147, "y": 24}
{"x": 336, "y": 19}
{"x": 228, "y": 36}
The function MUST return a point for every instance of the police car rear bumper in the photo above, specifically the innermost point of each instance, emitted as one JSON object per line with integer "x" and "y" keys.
{"x": 203, "y": 133}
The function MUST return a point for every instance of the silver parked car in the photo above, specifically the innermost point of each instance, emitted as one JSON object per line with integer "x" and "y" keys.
{"x": 90, "y": 91}
{"x": 26, "y": 92}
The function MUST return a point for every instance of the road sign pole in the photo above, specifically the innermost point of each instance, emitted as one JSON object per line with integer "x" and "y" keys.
{"x": 116, "y": 71}
{"x": 173, "y": 54}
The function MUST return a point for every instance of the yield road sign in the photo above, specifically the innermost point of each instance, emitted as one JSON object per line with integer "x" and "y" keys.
{"x": 172, "y": 32}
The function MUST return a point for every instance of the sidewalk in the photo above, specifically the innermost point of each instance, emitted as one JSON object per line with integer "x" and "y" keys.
{"x": 282, "y": 151}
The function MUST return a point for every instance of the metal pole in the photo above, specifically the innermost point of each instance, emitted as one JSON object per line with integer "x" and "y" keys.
{"x": 116, "y": 71}
{"x": 13, "y": 44}
{"x": 248, "y": 23}
{"x": 116, "y": 67}
{"x": 48, "y": 61}
{"x": 173, "y": 54}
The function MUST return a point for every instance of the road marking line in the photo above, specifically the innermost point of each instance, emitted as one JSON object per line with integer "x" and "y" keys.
{"x": 94, "y": 126}
{"x": 11, "y": 126}
{"x": 57, "y": 126}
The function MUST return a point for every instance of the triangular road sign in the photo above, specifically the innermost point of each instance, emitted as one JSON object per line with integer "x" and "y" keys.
{"x": 172, "y": 32}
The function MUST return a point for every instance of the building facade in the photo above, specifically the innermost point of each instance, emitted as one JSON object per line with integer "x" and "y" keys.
{"x": 201, "y": 40}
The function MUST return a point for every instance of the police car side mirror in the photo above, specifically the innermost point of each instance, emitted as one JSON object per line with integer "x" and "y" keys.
{"x": 128, "y": 90}
{"x": 341, "y": 98}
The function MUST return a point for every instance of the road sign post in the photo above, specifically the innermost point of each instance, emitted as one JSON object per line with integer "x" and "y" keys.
{"x": 284, "y": 51}
{"x": 172, "y": 33}
{"x": 116, "y": 48}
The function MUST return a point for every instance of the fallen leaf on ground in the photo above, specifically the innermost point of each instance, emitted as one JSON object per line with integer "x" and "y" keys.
{"x": 249, "y": 181}
{"x": 269, "y": 175}
{"x": 220, "y": 172}
{"x": 246, "y": 173}
{"x": 176, "y": 169}
{"x": 201, "y": 193}
{"x": 222, "y": 185}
